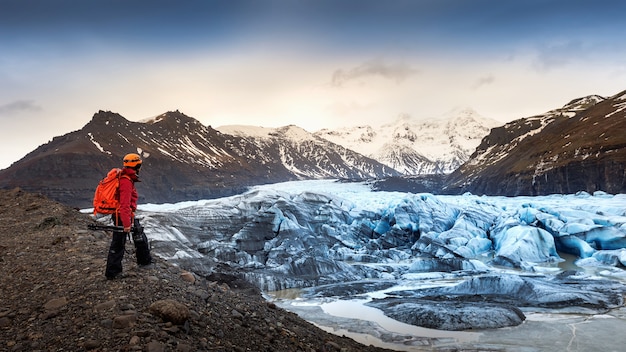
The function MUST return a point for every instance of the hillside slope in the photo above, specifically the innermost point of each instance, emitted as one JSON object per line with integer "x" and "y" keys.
{"x": 580, "y": 147}
{"x": 54, "y": 297}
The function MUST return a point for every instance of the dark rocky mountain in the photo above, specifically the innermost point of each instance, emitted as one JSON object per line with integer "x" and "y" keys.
{"x": 580, "y": 147}
{"x": 183, "y": 160}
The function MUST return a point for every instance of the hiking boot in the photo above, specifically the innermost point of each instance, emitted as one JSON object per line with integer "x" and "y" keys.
{"x": 117, "y": 276}
{"x": 147, "y": 266}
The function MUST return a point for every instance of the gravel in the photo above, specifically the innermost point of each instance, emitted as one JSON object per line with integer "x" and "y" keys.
{"x": 54, "y": 296}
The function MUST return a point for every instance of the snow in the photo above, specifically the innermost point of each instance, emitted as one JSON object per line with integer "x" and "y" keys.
{"x": 290, "y": 132}
{"x": 98, "y": 144}
{"x": 445, "y": 142}
{"x": 246, "y": 131}
{"x": 619, "y": 107}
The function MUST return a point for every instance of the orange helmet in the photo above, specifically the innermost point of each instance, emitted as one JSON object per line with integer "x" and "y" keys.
{"x": 132, "y": 160}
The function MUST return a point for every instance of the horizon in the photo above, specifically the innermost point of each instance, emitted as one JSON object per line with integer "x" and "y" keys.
{"x": 313, "y": 64}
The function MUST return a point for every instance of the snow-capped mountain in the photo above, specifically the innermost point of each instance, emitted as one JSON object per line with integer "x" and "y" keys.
{"x": 414, "y": 147}
{"x": 306, "y": 155}
{"x": 579, "y": 147}
{"x": 184, "y": 160}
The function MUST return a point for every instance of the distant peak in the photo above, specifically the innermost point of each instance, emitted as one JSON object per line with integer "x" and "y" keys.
{"x": 101, "y": 114}
{"x": 583, "y": 103}
{"x": 107, "y": 118}
{"x": 574, "y": 106}
{"x": 404, "y": 117}
{"x": 246, "y": 131}
{"x": 291, "y": 128}
{"x": 462, "y": 112}
{"x": 172, "y": 117}
{"x": 294, "y": 132}
{"x": 290, "y": 131}
{"x": 401, "y": 119}
{"x": 467, "y": 115}
{"x": 620, "y": 96}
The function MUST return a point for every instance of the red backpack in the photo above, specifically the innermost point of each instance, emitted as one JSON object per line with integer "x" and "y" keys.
{"x": 106, "y": 200}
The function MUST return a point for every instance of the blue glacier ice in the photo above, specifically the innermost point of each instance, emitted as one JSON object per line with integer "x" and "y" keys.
{"x": 520, "y": 243}
{"x": 316, "y": 232}
{"x": 481, "y": 262}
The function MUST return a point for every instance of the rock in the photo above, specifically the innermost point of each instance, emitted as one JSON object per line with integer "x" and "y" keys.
{"x": 142, "y": 333}
{"x": 55, "y": 304}
{"x": 49, "y": 314}
{"x": 453, "y": 316}
{"x": 155, "y": 346}
{"x": 91, "y": 344}
{"x": 124, "y": 321}
{"x": 105, "y": 305}
{"x": 170, "y": 310}
{"x": 134, "y": 340}
{"x": 106, "y": 323}
{"x": 171, "y": 329}
{"x": 332, "y": 346}
{"x": 204, "y": 294}
{"x": 236, "y": 314}
{"x": 187, "y": 276}
{"x": 183, "y": 348}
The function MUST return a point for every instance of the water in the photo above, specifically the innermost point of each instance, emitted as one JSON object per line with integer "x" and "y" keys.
{"x": 541, "y": 331}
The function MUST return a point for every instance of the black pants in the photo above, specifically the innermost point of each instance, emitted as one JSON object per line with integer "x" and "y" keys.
{"x": 116, "y": 250}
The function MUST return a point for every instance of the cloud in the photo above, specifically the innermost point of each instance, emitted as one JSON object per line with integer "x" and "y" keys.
{"x": 397, "y": 72}
{"x": 483, "y": 81}
{"x": 19, "y": 106}
{"x": 558, "y": 55}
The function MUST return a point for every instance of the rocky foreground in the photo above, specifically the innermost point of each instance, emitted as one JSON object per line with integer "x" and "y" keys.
{"x": 54, "y": 297}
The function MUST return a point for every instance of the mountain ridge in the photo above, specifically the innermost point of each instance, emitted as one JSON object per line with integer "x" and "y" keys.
{"x": 183, "y": 160}
{"x": 577, "y": 147}
{"x": 309, "y": 146}
{"x": 580, "y": 147}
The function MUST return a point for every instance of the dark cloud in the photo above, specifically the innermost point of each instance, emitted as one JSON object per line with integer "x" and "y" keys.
{"x": 19, "y": 106}
{"x": 397, "y": 72}
{"x": 351, "y": 25}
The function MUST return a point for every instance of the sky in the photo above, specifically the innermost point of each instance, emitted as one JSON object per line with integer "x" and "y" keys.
{"x": 313, "y": 63}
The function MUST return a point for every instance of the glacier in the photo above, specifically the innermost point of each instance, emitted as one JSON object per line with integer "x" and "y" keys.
{"x": 308, "y": 233}
{"x": 466, "y": 262}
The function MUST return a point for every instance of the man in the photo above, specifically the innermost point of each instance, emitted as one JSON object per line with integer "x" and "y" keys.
{"x": 126, "y": 217}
